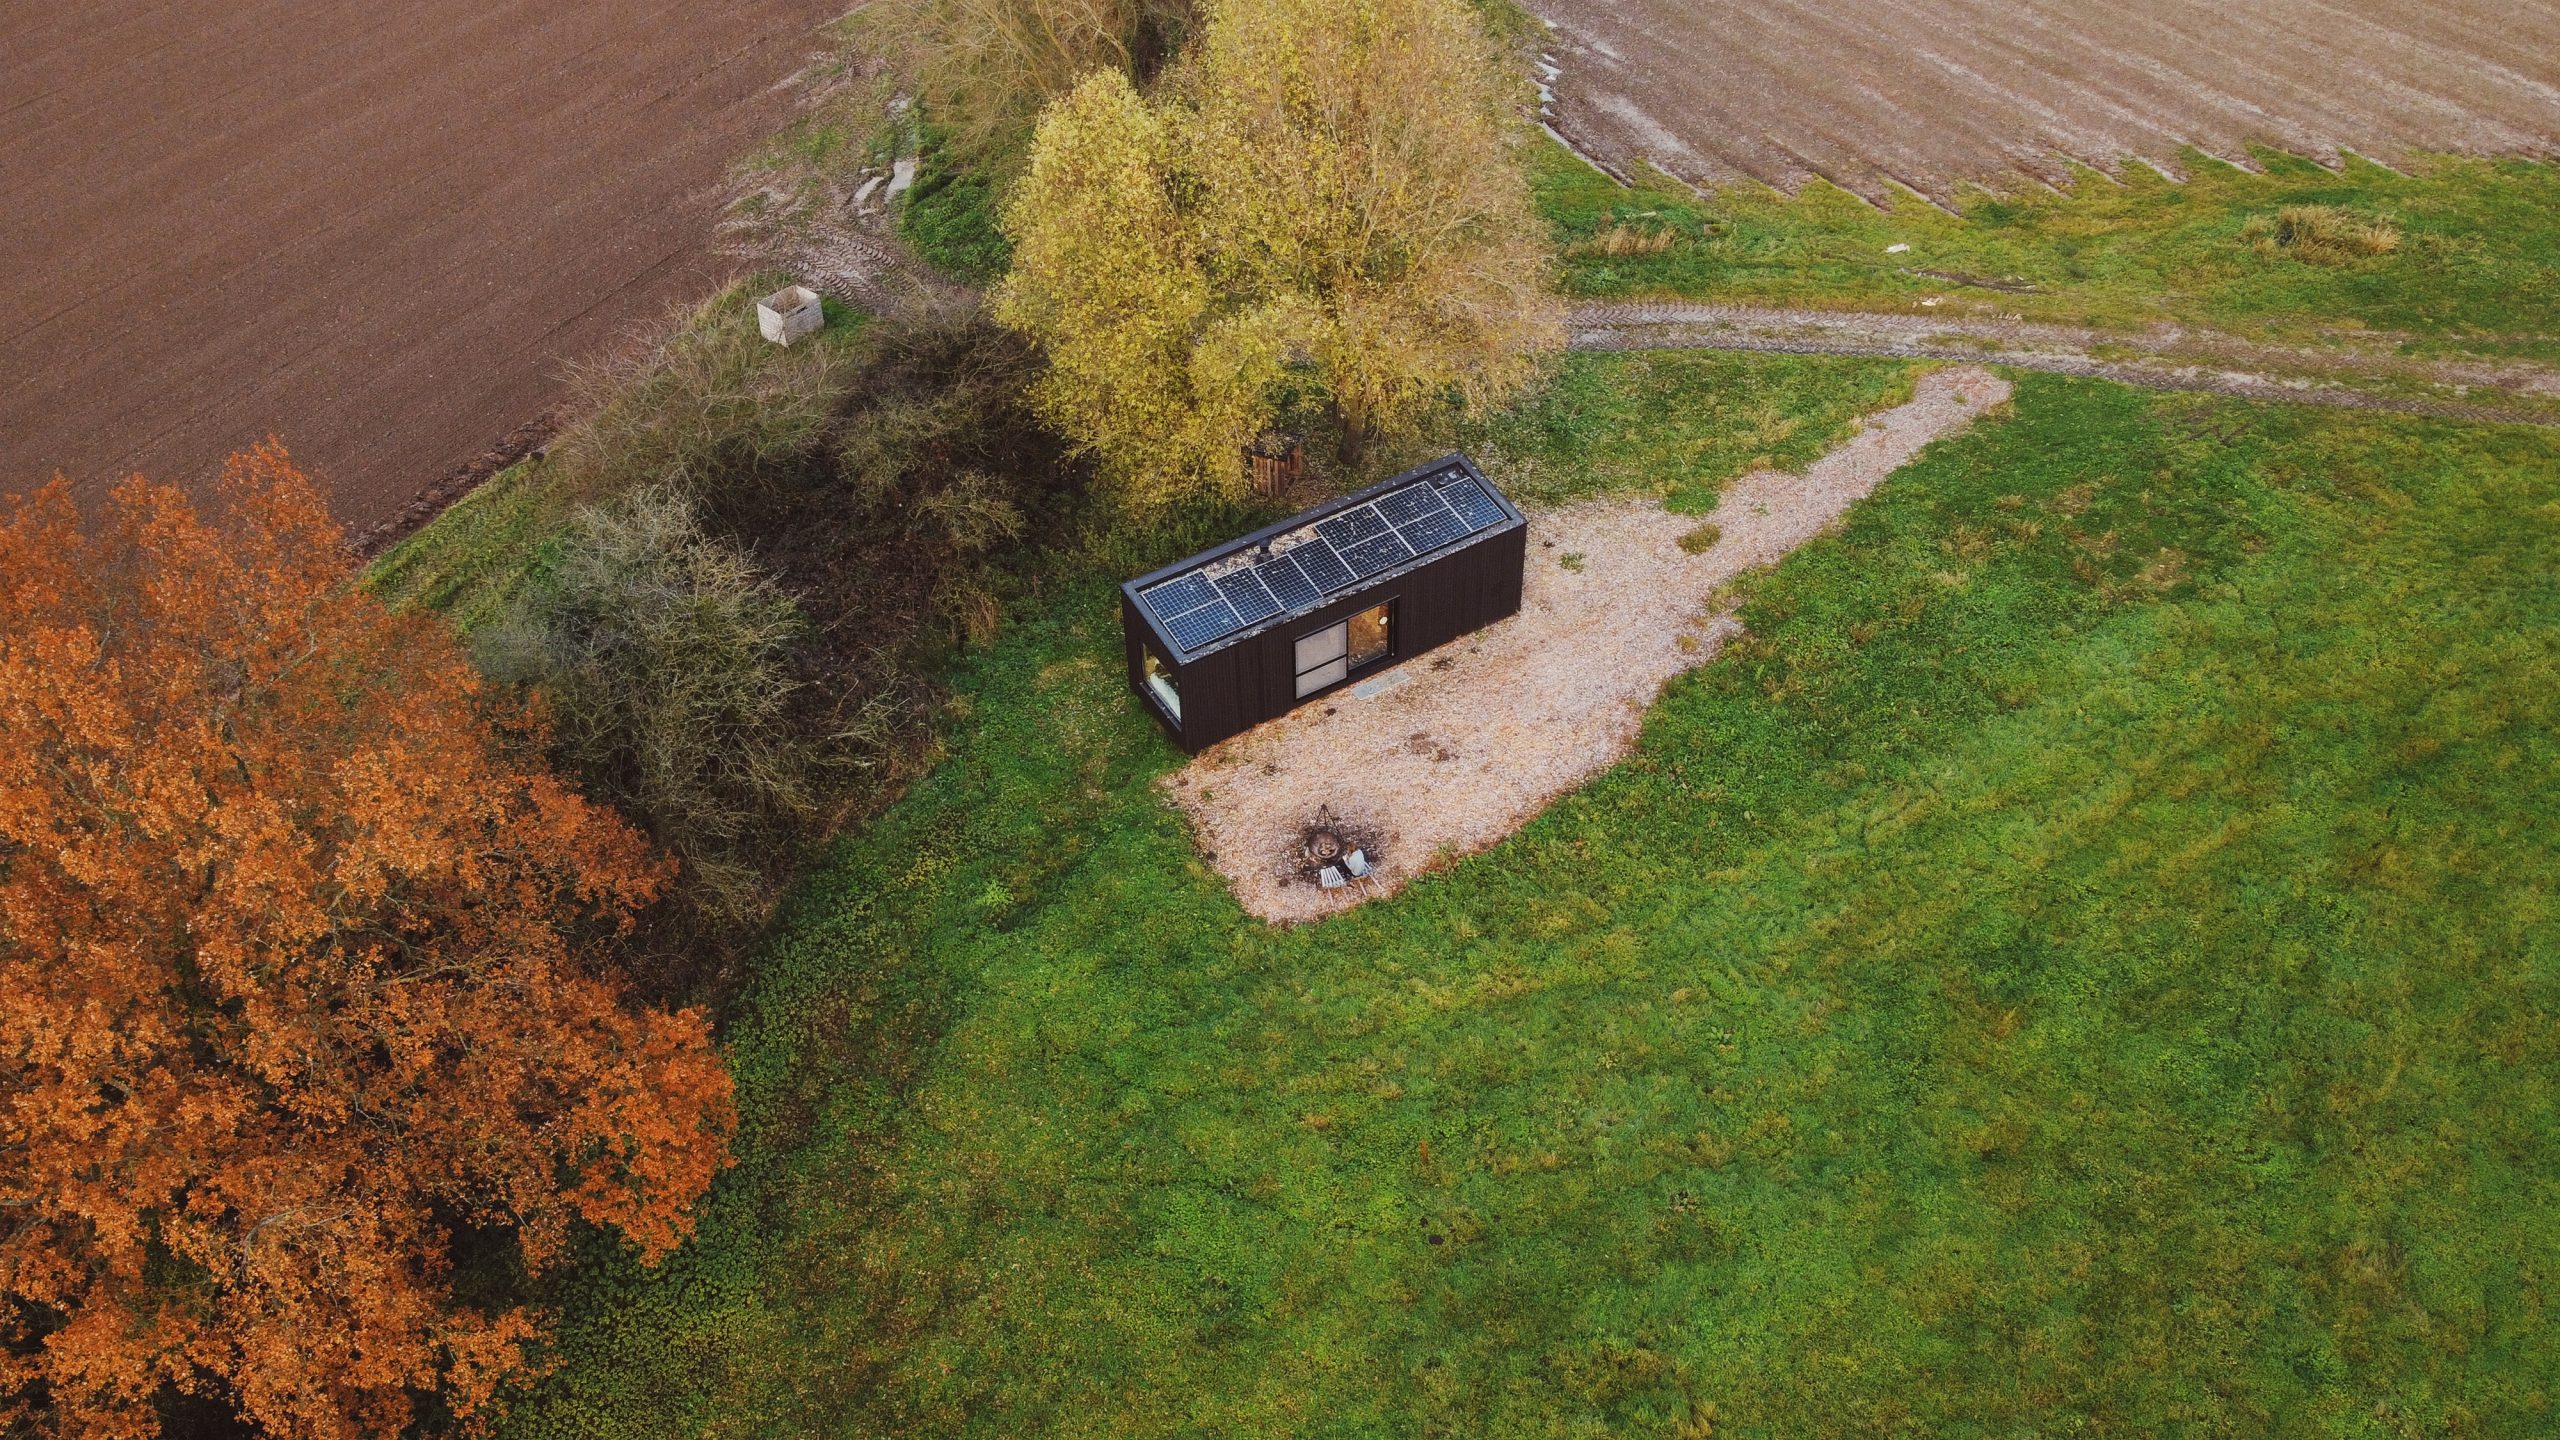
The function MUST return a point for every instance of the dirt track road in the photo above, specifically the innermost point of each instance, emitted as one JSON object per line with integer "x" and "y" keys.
{"x": 1932, "y": 92}
{"x": 376, "y": 229}
{"x": 2164, "y": 357}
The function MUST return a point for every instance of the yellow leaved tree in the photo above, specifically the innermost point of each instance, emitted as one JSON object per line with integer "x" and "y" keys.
{"x": 1322, "y": 202}
{"x": 1145, "y": 367}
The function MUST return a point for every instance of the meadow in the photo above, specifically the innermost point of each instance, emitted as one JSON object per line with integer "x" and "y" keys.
{"x": 2085, "y": 962}
{"x": 2473, "y": 268}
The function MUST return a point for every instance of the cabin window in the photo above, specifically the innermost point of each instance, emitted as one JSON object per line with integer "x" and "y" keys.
{"x": 1160, "y": 684}
{"x": 1330, "y": 655}
{"x": 1323, "y": 658}
{"x": 1372, "y": 635}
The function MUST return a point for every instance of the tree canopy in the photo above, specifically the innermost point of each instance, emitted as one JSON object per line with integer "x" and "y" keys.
{"x": 302, "y": 986}
{"x": 1322, "y": 199}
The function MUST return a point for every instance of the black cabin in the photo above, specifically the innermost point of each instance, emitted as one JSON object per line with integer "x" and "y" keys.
{"x": 1248, "y": 631}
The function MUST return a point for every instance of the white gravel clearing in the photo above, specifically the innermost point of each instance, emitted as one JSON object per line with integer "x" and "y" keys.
{"x": 1468, "y": 742}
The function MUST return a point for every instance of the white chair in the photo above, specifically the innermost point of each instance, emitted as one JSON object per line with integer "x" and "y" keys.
{"x": 1330, "y": 878}
{"x": 1357, "y": 862}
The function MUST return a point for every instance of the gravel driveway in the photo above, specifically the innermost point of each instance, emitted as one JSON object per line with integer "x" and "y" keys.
{"x": 1450, "y": 752}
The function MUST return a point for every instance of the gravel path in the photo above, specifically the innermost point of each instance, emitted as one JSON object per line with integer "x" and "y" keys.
{"x": 2162, "y": 358}
{"x": 1450, "y": 752}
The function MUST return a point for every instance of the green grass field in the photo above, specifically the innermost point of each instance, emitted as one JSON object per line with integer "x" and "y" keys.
{"x": 1677, "y": 424}
{"x": 2086, "y": 963}
{"x": 2477, "y": 269}
{"x": 473, "y": 560}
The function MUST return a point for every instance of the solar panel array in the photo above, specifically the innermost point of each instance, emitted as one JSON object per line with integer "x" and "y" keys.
{"x": 1200, "y": 607}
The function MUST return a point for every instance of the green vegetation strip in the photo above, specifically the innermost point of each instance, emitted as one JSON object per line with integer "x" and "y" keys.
{"x": 1678, "y": 424}
{"x": 2084, "y": 961}
{"x": 709, "y": 398}
{"x": 2473, "y": 266}
{"x": 470, "y": 562}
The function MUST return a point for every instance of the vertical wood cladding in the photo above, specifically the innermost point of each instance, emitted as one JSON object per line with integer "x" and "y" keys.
{"x": 1236, "y": 683}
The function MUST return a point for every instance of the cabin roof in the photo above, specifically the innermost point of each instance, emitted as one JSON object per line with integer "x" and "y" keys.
{"x": 1228, "y": 592}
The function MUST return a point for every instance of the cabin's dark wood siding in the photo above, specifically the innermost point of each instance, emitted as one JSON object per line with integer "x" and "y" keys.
{"x": 1231, "y": 690}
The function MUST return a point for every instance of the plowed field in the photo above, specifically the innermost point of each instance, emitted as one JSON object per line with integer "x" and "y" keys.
{"x": 1935, "y": 92}
{"x": 378, "y": 230}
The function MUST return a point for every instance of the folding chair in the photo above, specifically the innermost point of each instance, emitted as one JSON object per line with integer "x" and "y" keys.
{"x": 1357, "y": 862}
{"x": 1330, "y": 878}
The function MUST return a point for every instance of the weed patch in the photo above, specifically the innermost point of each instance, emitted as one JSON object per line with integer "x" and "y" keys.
{"x": 2321, "y": 234}
{"x": 949, "y": 216}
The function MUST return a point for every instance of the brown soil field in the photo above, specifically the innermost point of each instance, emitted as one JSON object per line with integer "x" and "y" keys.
{"x": 1932, "y": 93}
{"x": 379, "y": 231}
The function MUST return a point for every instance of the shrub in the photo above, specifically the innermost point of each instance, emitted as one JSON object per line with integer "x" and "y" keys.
{"x": 2321, "y": 234}
{"x": 740, "y": 703}
{"x": 941, "y": 450}
{"x": 710, "y": 409}
{"x": 664, "y": 657}
{"x": 986, "y": 68}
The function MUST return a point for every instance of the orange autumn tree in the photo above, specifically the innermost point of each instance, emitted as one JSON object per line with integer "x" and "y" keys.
{"x": 299, "y": 985}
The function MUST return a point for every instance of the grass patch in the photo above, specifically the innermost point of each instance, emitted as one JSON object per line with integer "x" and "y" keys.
{"x": 1678, "y": 423}
{"x": 2321, "y": 234}
{"x": 1622, "y": 239}
{"x": 2081, "y": 962}
{"x": 2458, "y": 253}
{"x": 949, "y": 216}
{"x": 471, "y": 562}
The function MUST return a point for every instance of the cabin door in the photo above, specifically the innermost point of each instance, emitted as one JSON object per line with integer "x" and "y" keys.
{"x": 1333, "y": 654}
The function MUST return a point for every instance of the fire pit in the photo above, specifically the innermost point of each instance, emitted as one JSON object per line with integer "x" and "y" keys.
{"x": 1327, "y": 841}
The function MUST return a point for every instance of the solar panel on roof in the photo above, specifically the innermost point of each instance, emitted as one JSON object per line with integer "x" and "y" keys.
{"x": 1324, "y": 556}
{"x": 1375, "y": 554}
{"x": 1472, "y": 504}
{"x": 1288, "y": 584}
{"x": 1433, "y": 531}
{"x": 1203, "y": 625}
{"x": 1322, "y": 565}
{"x": 1252, "y": 601}
{"x": 1351, "y": 527}
{"x": 1403, "y": 507}
{"x": 1180, "y": 595}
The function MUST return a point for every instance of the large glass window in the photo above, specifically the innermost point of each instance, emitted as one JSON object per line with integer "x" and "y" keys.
{"x": 1330, "y": 655}
{"x": 1372, "y": 635}
{"x": 1323, "y": 658}
{"x": 1160, "y": 684}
